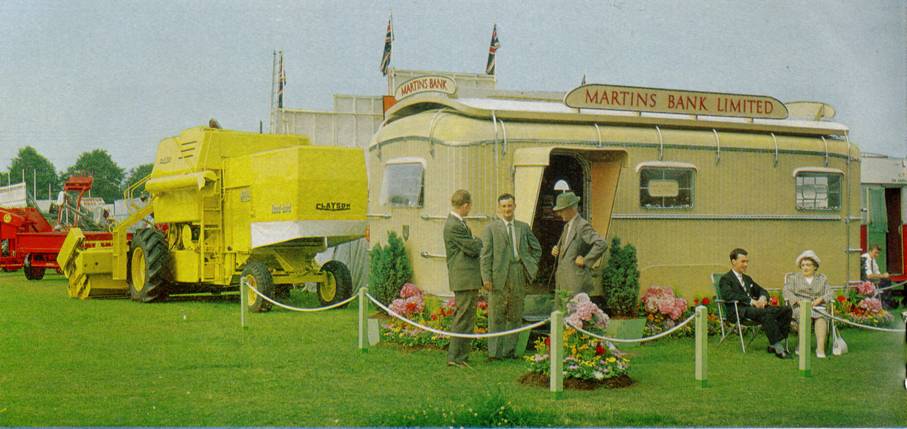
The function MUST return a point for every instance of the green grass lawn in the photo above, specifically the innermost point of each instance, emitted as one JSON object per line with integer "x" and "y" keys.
{"x": 188, "y": 362}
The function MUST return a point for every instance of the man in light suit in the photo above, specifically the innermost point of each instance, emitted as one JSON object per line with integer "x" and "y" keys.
{"x": 578, "y": 248}
{"x": 752, "y": 302}
{"x": 510, "y": 261}
{"x": 463, "y": 251}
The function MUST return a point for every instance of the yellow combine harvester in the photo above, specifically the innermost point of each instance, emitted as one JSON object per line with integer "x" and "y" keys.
{"x": 226, "y": 206}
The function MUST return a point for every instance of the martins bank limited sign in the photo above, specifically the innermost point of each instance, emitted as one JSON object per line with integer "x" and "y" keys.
{"x": 657, "y": 100}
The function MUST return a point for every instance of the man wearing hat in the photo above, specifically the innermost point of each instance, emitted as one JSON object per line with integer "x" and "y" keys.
{"x": 577, "y": 249}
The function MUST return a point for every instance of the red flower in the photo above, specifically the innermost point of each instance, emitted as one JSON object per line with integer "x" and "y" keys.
{"x": 482, "y": 304}
{"x": 773, "y": 301}
{"x": 599, "y": 350}
{"x": 696, "y": 301}
{"x": 548, "y": 341}
{"x": 706, "y": 301}
{"x": 841, "y": 299}
{"x": 434, "y": 316}
{"x": 411, "y": 307}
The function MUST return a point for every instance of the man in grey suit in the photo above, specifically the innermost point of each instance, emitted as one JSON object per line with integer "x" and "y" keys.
{"x": 578, "y": 248}
{"x": 510, "y": 260}
{"x": 463, "y": 251}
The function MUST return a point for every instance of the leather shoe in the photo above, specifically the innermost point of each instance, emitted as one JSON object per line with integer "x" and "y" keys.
{"x": 782, "y": 355}
{"x": 770, "y": 349}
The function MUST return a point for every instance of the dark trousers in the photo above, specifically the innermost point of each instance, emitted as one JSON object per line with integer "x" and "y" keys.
{"x": 464, "y": 322}
{"x": 775, "y": 321}
{"x": 505, "y": 312}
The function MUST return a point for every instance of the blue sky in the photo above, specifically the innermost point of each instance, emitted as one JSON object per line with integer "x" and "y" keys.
{"x": 79, "y": 75}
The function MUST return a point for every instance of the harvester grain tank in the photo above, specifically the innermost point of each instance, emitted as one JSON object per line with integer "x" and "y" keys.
{"x": 226, "y": 206}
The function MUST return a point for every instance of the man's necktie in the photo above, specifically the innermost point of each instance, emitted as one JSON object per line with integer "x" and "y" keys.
{"x": 512, "y": 239}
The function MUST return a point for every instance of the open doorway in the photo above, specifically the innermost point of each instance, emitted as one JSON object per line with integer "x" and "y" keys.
{"x": 573, "y": 169}
{"x": 894, "y": 257}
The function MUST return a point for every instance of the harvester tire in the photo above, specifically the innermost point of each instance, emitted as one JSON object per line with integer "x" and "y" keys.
{"x": 149, "y": 266}
{"x": 339, "y": 284}
{"x": 256, "y": 275}
{"x": 32, "y": 273}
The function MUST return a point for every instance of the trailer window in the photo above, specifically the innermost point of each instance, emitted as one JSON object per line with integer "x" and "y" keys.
{"x": 666, "y": 188}
{"x": 402, "y": 185}
{"x": 818, "y": 191}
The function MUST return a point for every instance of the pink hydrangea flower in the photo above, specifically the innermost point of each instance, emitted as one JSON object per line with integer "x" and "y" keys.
{"x": 409, "y": 290}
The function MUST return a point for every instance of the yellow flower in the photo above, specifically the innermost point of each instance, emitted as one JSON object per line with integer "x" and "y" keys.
{"x": 612, "y": 359}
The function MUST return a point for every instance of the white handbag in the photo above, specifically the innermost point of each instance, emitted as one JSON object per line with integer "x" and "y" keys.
{"x": 838, "y": 347}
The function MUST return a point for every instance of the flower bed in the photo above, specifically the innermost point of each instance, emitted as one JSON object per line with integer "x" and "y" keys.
{"x": 411, "y": 305}
{"x": 860, "y": 305}
{"x": 664, "y": 311}
{"x": 587, "y": 360}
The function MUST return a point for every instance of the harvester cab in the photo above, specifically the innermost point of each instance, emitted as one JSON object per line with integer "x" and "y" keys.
{"x": 232, "y": 206}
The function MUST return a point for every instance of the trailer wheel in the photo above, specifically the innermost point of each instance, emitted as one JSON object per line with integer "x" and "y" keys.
{"x": 256, "y": 275}
{"x": 339, "y": 284}
{"x": 149, "y": 266}
{"x": 32, "y": 273}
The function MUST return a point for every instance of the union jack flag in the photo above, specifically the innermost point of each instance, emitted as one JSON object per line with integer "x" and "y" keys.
{"x": 388, "y": 41}
{"x": 492, "y": 50}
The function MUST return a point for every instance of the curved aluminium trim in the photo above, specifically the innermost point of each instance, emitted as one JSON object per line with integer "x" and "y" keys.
{"x": 682, "y": 216}
{"x": 817, "y": 170}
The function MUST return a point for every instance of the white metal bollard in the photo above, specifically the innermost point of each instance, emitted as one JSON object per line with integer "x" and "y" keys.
{"x": 702, "y": 345}
{"x": 805, "y": 337}
{"x": 363, "y": 320}
{"x": 243, "y": 291}
{"x": 556, "y": 372}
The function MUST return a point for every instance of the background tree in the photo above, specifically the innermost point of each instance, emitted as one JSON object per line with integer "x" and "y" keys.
{"x": 29, "y": 160}
{"x": 108, "y": 176}
{"x": 135, "y": 174}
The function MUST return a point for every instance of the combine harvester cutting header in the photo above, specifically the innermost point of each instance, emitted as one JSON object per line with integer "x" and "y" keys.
{"x": 228, "y": 205}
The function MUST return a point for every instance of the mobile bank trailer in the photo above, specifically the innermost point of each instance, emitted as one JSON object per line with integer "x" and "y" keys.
{"x": 684, "y": 189}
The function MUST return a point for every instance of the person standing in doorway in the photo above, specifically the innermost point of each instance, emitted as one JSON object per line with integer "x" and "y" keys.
{"x": 578, "y": 248}
{"x": 509, "y": 261}
{"x": 463, "y": 250}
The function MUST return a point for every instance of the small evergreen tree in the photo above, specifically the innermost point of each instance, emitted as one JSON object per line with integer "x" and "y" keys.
{"x": 620, "y": 280}
{"x": 389, "y": 269}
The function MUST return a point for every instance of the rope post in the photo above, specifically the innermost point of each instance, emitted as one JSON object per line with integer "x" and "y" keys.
{"x": 702, "y": 345}
{"x": 805, "y": 337}
{"x": 556, "y": 373}
{"x": 243, "y": 296}
{"x": 363, "y": 320}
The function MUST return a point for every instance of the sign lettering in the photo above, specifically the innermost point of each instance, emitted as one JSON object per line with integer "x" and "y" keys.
{"x": 674, "y": 101}
{"x": 426, "y": 84}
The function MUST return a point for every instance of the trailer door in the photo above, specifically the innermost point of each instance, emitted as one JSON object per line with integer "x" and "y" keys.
{"x": 877, "y": 230}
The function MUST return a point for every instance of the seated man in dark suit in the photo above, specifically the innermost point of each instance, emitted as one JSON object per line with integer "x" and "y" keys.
{"x": 752, "y": 301}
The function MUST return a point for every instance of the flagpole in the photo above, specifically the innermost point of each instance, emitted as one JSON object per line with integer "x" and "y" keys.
{"x": 273, "y": 82}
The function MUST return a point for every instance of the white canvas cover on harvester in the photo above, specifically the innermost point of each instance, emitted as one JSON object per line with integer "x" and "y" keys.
{"x": 13, "y": 196}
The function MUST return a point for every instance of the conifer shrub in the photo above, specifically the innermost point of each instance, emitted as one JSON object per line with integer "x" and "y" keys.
{"x": 389, "y": 269}
{"x": 620, "y": 280}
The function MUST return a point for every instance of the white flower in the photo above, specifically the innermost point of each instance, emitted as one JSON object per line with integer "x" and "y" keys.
{"x": 598, "y": 375}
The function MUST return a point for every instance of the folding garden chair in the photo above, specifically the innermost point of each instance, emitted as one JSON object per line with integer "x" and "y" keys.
{"x": 741, "y": 325}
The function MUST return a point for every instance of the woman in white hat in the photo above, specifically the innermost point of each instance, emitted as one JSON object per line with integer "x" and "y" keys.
{"x": 811, "y": 285}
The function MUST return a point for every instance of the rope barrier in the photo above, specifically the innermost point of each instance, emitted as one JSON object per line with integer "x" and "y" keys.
{"x": 891, "y": 286}
{"x": 874, "y": 328}
{"x": 634, "y": 340}
{"x": 455, "y": 334}
{"x": 853, "y": 285}
{"x": 302, "y": 310}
